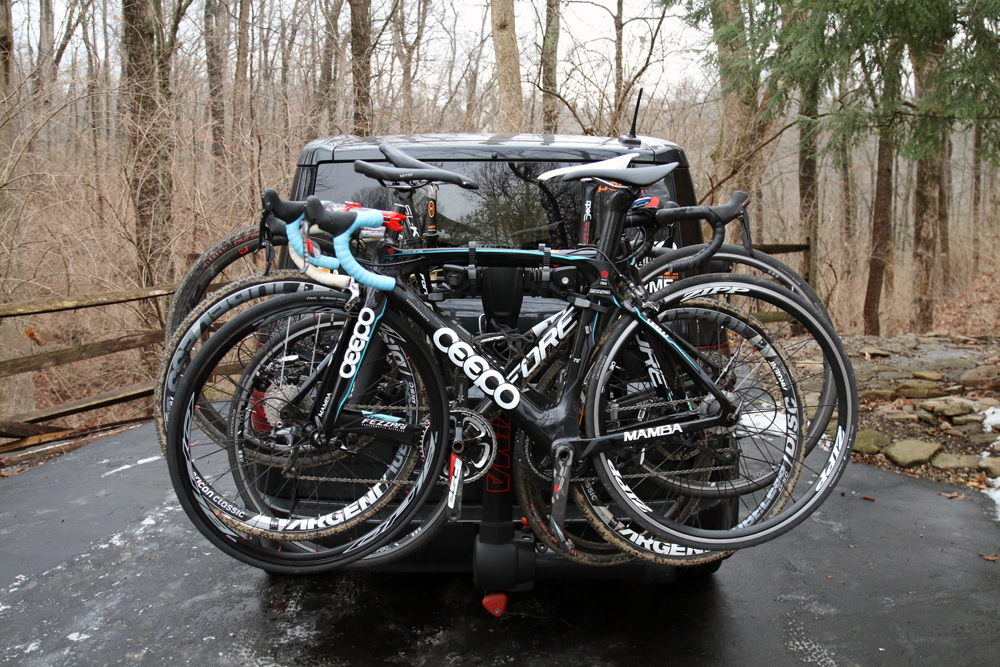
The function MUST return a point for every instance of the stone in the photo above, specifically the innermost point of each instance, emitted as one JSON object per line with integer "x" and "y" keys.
{"x": 868, "y": 441}
{"x": 875, "y": 352}
{"x": 980, "y": 376}
{"x": 930, "y": 405}
{"x": 954, "y": 389}
{"x": 879, "y": 395}
{"x": 900, "y": 416}
{"x": 894, "y": 375}
{"x": 983, "y": 403}
{"x": 920, "y": 389}
{"x": 928, "y": 375}
{"x": 927, "y": 416}
{"x": 991, "y": 466}
{"x": 982, "y": 438}
{"x": 907, "y": 453}
{"x": 953, "y": 408}
{"x": 954, "y": 363}
{"x": 975, "y": 418}
{"x": 955, "y": 461}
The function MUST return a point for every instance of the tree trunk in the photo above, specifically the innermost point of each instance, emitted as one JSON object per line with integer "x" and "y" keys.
{"x": 977, "y": 196}
{"x": 809, "y": 177}
{"x": 549, "y": 63}
{"x": 406, "y": 51}
{"x": 46, "y": 44}
{"x": 361, "y": 66}
{"x": 926, "y": 205}
{"x": 215, "y": 54}
{"x": 152, "y": 233}
{"x": 6, "y": 46}
{"x": 881, "y": 234}
{"x": 944, "y": 208}
{"x": 508, "y": 66}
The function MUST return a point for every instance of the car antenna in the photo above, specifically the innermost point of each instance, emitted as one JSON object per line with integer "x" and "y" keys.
{"x": 630, "y": 139}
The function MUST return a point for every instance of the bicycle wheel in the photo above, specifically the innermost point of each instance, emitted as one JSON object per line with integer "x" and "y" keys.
{"x": 207, "y": 316}
{"x": 754, "y": 463}
{"x": 820, "y": 400}
{"x": 806, "y": 339}
{"x": 330, "y": 505}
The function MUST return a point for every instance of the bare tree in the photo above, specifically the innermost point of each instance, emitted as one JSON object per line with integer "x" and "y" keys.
{"x": 550, "y": 61}
{"x": 361, "y": 66}
{"x": 508, "y": 65}
{"x": 215, "y": 53}
{"x": 406, "y": 49}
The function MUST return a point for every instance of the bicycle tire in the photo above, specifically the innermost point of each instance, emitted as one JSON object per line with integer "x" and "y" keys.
{"x": 332, "y": 551}
{"x": 823, "y": 466}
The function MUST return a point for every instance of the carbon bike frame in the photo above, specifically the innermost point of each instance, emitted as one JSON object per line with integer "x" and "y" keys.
{"x": 555, "y": 425}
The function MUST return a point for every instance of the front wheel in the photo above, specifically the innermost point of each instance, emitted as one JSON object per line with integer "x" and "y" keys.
{"x": 266, "y": 493}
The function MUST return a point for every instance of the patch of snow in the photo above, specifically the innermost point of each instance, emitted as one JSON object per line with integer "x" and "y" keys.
{"x": 77, "y": 636}
{"x": 994, "y": 494}
{"x": 33, "y": 646}
{"x": 992, "y": 419}
{"x": 148, "y": 521}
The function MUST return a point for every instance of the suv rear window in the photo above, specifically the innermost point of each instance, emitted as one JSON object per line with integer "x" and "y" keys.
{"x": 510, "y": 209}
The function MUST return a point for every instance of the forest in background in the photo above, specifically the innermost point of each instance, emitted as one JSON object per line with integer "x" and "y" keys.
{"x": 135, "y": 133}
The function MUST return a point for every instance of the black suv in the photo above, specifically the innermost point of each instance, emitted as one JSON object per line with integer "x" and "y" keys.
{"x": 512, "y": 209}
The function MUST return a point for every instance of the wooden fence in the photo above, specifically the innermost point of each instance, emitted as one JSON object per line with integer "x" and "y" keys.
{"x": 29, "y": 428}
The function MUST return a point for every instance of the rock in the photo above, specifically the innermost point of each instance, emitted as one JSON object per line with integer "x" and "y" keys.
{"x": 961, "y": 420}
{"x": 982, "y": 438}
{"x": 906, "y": 453}
{"x": 928, "y": 375}
{"x": 954, "y": 389}
{"x": 879, "y": 395}
{"x": 954, "y": 363}
{"x": 953, "y": 408}
{"x": 894, "y": 375}
{"x": 900, "y": 416}
{"x": 955, "y": 461}
{"x": 919, "y": 389}
{"x": 983, "y": 403}
{"x": 980, "y": 376}
{"x": 927, "y": 416}
{"x": 875, "y": 352}
{"x": 991, "y": 466}
{"x": 930, "y": 405}
{"x": 868, "y": 441}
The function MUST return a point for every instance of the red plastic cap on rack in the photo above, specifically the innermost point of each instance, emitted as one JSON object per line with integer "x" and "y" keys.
{"x": 495, "y": 604}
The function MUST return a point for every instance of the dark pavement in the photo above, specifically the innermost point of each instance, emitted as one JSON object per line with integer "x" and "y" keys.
{"x": 99, "y": 566}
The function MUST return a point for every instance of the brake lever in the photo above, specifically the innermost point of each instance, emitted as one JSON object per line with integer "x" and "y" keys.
{"x": 745, "y": 234}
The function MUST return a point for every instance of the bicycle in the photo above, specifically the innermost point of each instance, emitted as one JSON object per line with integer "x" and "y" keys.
{"x": 503, "y": 395}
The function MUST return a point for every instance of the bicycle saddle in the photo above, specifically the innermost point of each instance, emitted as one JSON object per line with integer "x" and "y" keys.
{"x": 400, "y": 159}
{"x": 614, "y": 170}
{"x": 411, "y": 175}
{"x": 286, "y": 211}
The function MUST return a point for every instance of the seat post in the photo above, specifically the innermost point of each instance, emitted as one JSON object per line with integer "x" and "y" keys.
{"x": 614, "y": 221}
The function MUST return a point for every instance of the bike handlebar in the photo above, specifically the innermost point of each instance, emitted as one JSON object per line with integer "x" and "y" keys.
{"x": 342, "y": 228}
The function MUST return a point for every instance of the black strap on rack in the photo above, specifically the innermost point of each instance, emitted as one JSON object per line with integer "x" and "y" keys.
{"x": 546, "y": 272}
{"x": 472, "y": 269}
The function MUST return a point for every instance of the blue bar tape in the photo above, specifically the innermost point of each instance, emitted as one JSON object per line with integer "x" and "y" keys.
{"x": 342, "y": 246}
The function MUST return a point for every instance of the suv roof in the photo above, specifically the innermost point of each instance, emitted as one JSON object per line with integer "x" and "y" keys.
{"x": 549, "y": 147}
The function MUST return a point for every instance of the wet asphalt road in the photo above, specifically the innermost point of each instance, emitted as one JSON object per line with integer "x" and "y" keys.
{"x": 100, "y": 567}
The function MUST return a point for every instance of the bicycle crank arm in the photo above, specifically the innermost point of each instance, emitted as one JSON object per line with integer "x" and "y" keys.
{"x": 456, "y": 483}
{"x": 562, "y": 457}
